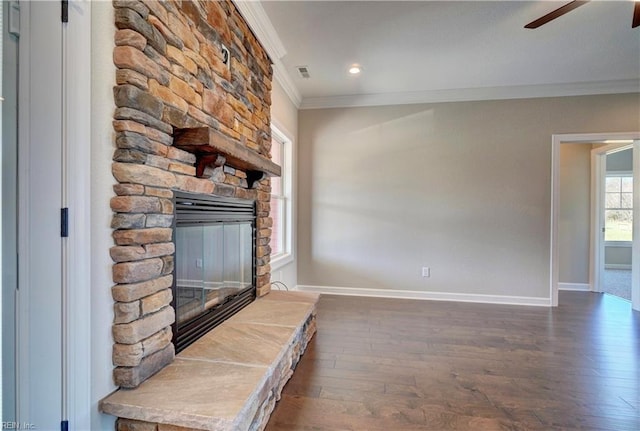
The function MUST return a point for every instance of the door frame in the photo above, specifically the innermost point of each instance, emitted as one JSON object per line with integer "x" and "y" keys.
{"x": 556, "y": 141}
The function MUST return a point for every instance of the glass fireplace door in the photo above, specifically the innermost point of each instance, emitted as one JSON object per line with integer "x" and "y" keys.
{"x": 214, "y": 262}
{"x": 214, "y": 274}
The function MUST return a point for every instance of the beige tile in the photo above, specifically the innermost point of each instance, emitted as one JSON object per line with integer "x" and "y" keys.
{"x": 273, "y": 312}
{"x": 219, "y": 382}
{"x": 295, "y": 296}
{"x": 245, "y": 343}
{"x": 198, "y": 394}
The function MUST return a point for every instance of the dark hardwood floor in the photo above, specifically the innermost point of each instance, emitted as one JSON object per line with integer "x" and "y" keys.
{"x": 392, "y": 364}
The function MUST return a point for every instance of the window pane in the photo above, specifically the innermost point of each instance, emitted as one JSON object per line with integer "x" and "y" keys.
{"x": 276, "y": 151}
{"x": 276, "y": 186}
{"x": 626, "y": 200}
{"x": 627, "y": 184}
{"x": 618, "y": 225}
{"x": 276, "y": 157}
{"x": 612, "y": 200}
{"x": 280, "y": 199}
{"x": 613, "y": 184}
{"x": 277, "y": 230}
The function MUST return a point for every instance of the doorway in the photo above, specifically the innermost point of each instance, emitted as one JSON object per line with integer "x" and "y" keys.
{"x": 613, "y": 214}
{"x": 595, "y": 257}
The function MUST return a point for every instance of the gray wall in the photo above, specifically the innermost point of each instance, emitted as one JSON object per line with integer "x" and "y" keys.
{"x": 463, "y": 188}
{"x": 620, "y": 161}
{"x": 574, "y": 213}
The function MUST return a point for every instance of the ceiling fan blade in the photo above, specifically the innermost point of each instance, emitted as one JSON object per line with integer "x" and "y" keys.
{"x": 636, "y": 15}
{"x": 556, "y": 14}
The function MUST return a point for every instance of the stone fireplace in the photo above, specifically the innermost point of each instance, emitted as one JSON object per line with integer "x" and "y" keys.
{"x": 185, "y": 70}
{"x": 191, "y": 225}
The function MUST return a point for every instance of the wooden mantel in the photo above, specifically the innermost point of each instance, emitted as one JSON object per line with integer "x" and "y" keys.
{"x": 213, "y": 148}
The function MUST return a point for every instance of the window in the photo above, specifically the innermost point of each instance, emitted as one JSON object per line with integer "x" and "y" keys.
{"x": 281, "y": 205}
{"x": 618, "y": 211}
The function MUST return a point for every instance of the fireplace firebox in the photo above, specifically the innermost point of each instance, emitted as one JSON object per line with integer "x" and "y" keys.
{"x": 215, "y": 264}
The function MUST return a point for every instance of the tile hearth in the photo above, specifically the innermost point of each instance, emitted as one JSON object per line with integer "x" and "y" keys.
{"x": 229, "y": 379}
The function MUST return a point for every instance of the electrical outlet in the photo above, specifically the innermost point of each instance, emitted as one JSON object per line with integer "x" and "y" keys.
{"x": 426, "y": 271}
{"x": 198, "y": 263}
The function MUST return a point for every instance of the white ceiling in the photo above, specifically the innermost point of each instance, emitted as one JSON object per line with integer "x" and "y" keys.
{"x": 423, "y": 51}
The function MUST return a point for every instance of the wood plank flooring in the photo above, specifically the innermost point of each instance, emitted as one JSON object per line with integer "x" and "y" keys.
{"x": 391, "y": 365}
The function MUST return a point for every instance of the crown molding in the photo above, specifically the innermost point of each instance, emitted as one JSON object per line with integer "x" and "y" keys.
{"x": 474, "y": 94}
{"x": 284, "y": 79}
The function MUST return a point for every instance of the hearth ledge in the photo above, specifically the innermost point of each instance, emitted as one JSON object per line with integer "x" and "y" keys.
{"x": 229, "y": 379}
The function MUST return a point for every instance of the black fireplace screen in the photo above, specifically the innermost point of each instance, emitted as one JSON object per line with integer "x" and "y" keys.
{"x": 214, "y": 274}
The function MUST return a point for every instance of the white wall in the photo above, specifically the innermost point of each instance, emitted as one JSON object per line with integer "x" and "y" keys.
{"x": 284, "y": 115}
{"x": 574, "y": 213}
{"x": 102, "y": 147}
{"x": 463, "y": 188}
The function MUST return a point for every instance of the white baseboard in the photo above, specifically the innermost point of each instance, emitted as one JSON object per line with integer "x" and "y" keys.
{"x": 580, "y": 287}
{"x": 432, "y": 296}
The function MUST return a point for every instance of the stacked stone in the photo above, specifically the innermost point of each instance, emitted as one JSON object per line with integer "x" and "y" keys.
{"x": 170, "y": 74}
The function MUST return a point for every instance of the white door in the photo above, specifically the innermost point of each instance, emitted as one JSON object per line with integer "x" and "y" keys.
{"x": 9, "y": 201}
{"x": 40, "y": 195}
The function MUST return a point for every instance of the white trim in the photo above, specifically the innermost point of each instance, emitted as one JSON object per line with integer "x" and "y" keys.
{"x": 284, "y": 79}
{"x": 618, "y": 266}
{"x": 281, "y": 261}
{"x": 618, "y": 244}
{"x": 596, "y": 238}
{"x": 430, "y": 296}
{"x": 580, "y": 287}
{"x": 471, "y": 94}
{"x": 77, "y": 126}
{"x": 556, "y": 141}
{"x": 287, "y": 182}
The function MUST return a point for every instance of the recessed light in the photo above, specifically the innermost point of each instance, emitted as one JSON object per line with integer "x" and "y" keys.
{"x": 355, "y": 69}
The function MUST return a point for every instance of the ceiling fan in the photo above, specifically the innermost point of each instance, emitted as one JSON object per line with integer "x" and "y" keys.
{"x": 571, "y": 6}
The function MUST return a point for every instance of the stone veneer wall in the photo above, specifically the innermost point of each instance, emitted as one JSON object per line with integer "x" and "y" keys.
{"x": 170, "y": 74}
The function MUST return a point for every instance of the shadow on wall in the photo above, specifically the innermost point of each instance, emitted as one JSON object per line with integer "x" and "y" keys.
{"x": 357, "y": 191}
{"x": 391, "y": 196}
